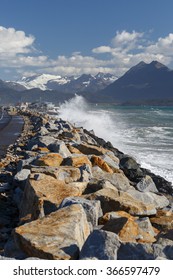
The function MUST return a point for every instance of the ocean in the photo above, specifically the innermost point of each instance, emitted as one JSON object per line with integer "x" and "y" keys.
{"x": 144, "y": 132}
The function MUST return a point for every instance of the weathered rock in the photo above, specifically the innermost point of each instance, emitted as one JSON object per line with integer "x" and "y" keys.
{"x": 49, "y": 159}
{"x": 43, "y": 195}
{"x": 73, "y": 150}
{"x": 159, "y": 201}
{"x": 114, "y": 200}
{"x": 58, "y": 236}
{"x": 111, "y": 160}
{"x": 86, "y": 173}
{"x": 60, "y": 148}
{"x": 131, "y": 168}
{"x": 122, "y": 224}
{"x": 146, "y": 185}
{"x": 21, "y": 177}
{"x": 135, "y": 251}
{"x": 163, "y": 220}
{"x": 119, "y": 180}
{"x": 96, "y": 160}
{"x": 96, "y": 185}
{"x": 92, "y": 208}
{"x": 163, "y": 248}
{"x": 42, "y": 141}
{"x": 77, "y": 160}
{"x": 101, "y": 245}
{"x": 91, "y": 149}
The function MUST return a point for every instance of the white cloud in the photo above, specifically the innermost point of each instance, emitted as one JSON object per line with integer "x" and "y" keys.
{"x": 14, "y": 42}
{"x": 124, "y": 51}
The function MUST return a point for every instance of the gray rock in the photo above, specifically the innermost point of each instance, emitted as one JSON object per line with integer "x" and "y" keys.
{"x": 86, "y": 173}
{"x": 112, "y": 163}
{"x": 21, "y": 177}
{"x": 119, "y": 180}
{"x": 92, "y": 208}
{"x": 145, "y": 225}
{"x": 159, "y": 201}
{"x": 163, "y": 248}
{"x": 146, "y": 185}
{"x": 135, "y": 251}
{"x": 59, "y": 147}
{"x": 102, "y": 245}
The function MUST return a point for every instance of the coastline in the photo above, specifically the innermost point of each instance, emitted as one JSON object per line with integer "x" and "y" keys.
{"x": 105, "y": 189}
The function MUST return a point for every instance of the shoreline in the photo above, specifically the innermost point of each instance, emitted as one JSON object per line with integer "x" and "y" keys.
{"x": 107, "y": 190}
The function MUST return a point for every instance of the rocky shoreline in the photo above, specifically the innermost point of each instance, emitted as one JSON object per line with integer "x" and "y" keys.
{"x": 67, "y": 194}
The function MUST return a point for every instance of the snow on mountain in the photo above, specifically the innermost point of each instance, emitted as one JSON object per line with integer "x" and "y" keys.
{"x": 40, "y": 81}
{"x": 83, "y": 83}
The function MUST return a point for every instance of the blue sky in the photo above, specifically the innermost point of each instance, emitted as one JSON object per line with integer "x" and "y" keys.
{"x": 71, "y": 37}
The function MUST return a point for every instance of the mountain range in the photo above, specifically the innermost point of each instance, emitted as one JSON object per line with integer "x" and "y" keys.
{"x": 142, "y": 84}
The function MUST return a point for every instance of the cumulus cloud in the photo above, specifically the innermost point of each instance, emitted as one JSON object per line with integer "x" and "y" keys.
{"x": 14, "y": 42}
{"x": 124, "y": 51}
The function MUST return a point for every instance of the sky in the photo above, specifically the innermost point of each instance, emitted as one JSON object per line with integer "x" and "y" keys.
{"x": 72, "y": 37}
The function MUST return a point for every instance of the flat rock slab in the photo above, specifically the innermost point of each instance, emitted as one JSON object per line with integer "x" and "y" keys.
{"x": 58, "y": 236}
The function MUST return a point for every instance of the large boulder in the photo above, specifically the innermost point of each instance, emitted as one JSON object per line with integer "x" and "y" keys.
{"x": 160, "y": 201}
{"x": 43, "y": 194}
{"x": 118, "y": 179}
{"x": 102, "y": 245}
{"x": 123, "y": 223}
{"x": 92, "y": 208}
{"x": 58, "y": 236}
{"x": 114, "y": 200}
{"x": 49, "y": 159}
{"x": 135, "y": 251}
{"x": 146, "y": 184}
{"x": 163, "y": 220}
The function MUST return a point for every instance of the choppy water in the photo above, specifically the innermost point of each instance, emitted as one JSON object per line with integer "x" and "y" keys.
{"x": 144, "y": 132}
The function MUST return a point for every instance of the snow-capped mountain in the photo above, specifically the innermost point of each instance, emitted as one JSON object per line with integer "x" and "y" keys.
{"x": 83, "y": 83}
{"x": 41, "y": 81}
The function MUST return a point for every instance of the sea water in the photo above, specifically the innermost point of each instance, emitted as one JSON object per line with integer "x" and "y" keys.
{"x": 144, "y": 132}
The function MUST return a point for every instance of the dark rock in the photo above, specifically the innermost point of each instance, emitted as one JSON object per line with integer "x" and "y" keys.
{"x": 101, "y": 245}
{"x": 134, "y": 251}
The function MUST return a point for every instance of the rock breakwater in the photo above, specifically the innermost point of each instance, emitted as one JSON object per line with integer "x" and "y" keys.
{"x": 67, "y": 194}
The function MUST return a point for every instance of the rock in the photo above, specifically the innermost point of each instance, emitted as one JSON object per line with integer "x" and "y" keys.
{"x": 101, "y": 245}
{"x": 131, "y": 168}
{"x": 163, "y": 220}
{"x": 96, "y": 160}
{"x": 122, "y": 224}
{"x": 163, "y": 248}
{"x": 60, "y": 148}
{"x": 146, "y": 185}
{"x": 77, "y": 160}
{"x": 96, "y": 185}
{"x": 114, "y": 200}
{"x": 17, "y": 196}
{"x": 43, "y": 195}
{"x": 90, "y": 149}
{"x": 86, "y": 173}
{"x": 11, "y": 250}
{"x": 111, "y": 160}
{"x": 41, "y": 141}
{"x": 21, "y": 177}
{"x": 92, "y": 208}
{"x": 134, "y": 206}
{"x": 119, "y": 180}
{"x": 73, "y": 150}
{"x": 58, "y": 236}
{"x": 49, "y": 159}
{"x": 158, "y": 200}
{"x": 135, "y": 251}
